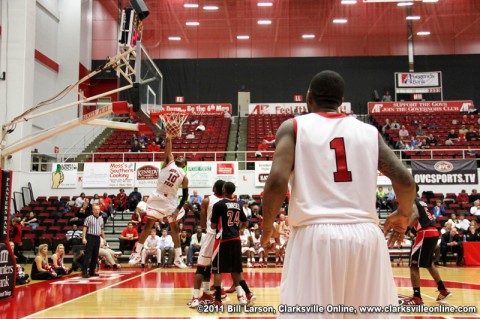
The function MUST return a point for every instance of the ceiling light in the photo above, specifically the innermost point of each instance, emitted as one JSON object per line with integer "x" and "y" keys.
{"x": 423, "y": 33}
{"x": 413, "y": 18}
{"x": 243, "y": 37}
{"x": 349, "y": 2}
{"x": 404, "y": 4}
{"x": 190, "y": 5}
{"x": 340, "y": 20}
{"x": 264, "y": 4}
{"x": 174, "y": 38}
{"x": 264, "y": 22}
{"x": 210, "y": 8}
{"x": 192, "y": 23}
{"x": 308, "y": 36}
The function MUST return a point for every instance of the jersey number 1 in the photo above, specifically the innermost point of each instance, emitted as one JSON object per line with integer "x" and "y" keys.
{"x": 342, "y": 174}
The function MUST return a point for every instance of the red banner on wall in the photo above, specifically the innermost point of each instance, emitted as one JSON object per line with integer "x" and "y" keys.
{"x": 420, "y": 107}
{"x": 199, "y": 108}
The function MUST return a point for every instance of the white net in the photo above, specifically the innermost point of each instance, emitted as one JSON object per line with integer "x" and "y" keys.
{"x": 173, "y": 122}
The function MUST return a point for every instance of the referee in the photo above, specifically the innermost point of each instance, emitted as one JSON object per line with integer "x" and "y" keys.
{"x": 92, "y": 230}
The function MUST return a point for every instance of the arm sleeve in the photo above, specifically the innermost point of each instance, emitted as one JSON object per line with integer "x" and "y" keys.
{"x": 184, "y": 198}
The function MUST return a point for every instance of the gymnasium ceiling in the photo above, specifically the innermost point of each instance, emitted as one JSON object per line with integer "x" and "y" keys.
{"x": 373, "y": 29}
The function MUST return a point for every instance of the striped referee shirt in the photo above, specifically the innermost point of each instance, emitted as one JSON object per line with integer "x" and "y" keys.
{"x": 94, "y": 225}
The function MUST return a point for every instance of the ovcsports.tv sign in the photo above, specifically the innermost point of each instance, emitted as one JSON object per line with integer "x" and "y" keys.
{"x": 445, "y": 172}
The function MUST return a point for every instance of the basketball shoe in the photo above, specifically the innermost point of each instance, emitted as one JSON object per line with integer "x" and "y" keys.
{"x": 413, "y": 301}
{"x": 179, "y": 263}
{"x": 223, "y": 295}
{"x": 444, "y": 294}
{"x": 194, "y": 303}
{"x": 230, "y": 290}
{"x": 242, "y": 300}
{"x": 251, "y": 298}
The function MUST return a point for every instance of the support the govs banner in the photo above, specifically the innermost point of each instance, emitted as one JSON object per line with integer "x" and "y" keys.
{"x": 445, "y": 172}
{"x": 7, "y": 261}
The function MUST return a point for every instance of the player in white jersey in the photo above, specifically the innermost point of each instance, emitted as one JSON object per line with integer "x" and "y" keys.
{"x": 163, "y": 202}
{"x": 205, "y": 256}
{"x": 247, "y": 243}
{"x": 258, "y": 250}
{"x": 336, "y": 254}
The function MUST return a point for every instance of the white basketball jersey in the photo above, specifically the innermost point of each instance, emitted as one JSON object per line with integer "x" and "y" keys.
{"x": 244, "y": 240}
{"x": 169, "y": 180}
{"x": 335, "y": 175}
{"x": 212, "y": 200}
{"x": 256, "y": 242}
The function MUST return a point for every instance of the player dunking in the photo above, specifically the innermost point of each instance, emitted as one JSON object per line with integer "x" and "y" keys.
{"x": 422, "y": 251}
{"x": 336, "y": 254}
{"x": 163, "y": 202}
{"x": 229, "y": 219}
{"x": 204, "y": 257}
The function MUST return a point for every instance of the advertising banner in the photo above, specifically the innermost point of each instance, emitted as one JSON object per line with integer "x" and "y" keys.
{"x": 420, "y": 107}
{"x": 262, "y": 170}
{"x": 200, "y": 174}
{"x": 415, "y": 80}
{"x": 227, "y": 171}
{"x": 146, "y": 174}
{"x": 445, "y": 172}
{"x": 116, "y": 175}
{"x": 214, "y": 108}
{"x": 288, "y": 108}
{"x": 64, "y": 175}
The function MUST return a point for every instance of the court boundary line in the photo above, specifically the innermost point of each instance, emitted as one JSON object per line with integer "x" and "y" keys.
{"x": 88, "y": 294}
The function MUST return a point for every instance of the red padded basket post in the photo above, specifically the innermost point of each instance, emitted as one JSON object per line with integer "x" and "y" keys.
{"x": 120, "y": 107}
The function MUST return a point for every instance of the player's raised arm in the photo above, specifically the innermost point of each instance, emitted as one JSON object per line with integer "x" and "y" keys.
{"x": 168, "y": 151}
{"x": 404, "y": 186}
{"x": 277, "y": 182}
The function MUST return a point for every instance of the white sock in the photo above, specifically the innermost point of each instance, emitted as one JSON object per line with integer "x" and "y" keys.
{"x": 139, "y": 247}
{"x": 260, "y": 260}
{"x": 178, "y": 252}
{"x": 239, "y": 290}
{"x": 196, "y": 293}
{"x": 276, "y": 259}
{"x": 249, "y": 260}
{"x": 206, "y": 287}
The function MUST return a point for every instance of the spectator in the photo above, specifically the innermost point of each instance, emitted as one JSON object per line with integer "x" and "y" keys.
{"x": 387, "y": 97}
{"x": 142, "y": 143}
{"x": 185, "y": 241}
{"x": 462, "y": 198}
{"x": 152, "y": 247}
{"x": 160, "y": 141}
{"x": 132, "y": 120}
{"x": 472, "y": 134}
{"x": 247, "y": 210}
{"x": 121, "y": 201}
{"x": 21, "y": 276}
{"x": 84, "y": 211}
{"x": 73, "y": 237}
{"x": 195, "y": 205}
{"x": 108, "y": 254}
{"x": 390, "y": 197}
{"x": 386, "y": 126}
{"x": 452, "y": 136}
{"x": 195, "y": 195}
{"x": 30, "y": 221}
{"x": 128, "y": 238}
{"x": 420, "y": 132}
{"x": 153, "y": 147}
{"x": 79, "y": 201}
{"x": 400, "y": 145}
{"x": 475, "y": 209}
{"x": 41, "y": 270}
{"x": 471, "y": 152}
{"x": 108, "y": 203}
{"x": 57, "y": 260}
{"x": 16, "y": 238}
{"x": 454, "y": 220}
{"x": 463, "y": 130}
{"x": 78, "y": 256}
{"x": 190, "y": 136}
{"x": 200, "y": 127}
{"x": 269, "y": 138}
{"x": 95, "y": 200}
{"x": 463, "y": 223}
{"x": 431, "y": 140}
{"x": 395, "y": 125}
{"x": 413, "y": 143}
{"x": 133, "y": 199}
{"x": 451, "y": 242}
{"x": 263, "y": 147}
{"x": 438, "y": 209}
{"x": 381, "y": 198}
{"x": 472, "y": 234}
{"x": 159, "y": 226}
{"x": 166, "y": 246}
{"x": 135, "y": 147}
{"x": 403, "y": 132}
{"x": 196, "y": 243}
{"x": 255, "y": 215}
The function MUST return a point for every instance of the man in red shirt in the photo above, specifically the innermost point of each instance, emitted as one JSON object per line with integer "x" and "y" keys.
{"x": 16, "y": 238}
{"x": 153, "y": 147}
{"x": 128, "y": 238}
{"x": 269, "y": 138}
{"x": 261, "y": 148}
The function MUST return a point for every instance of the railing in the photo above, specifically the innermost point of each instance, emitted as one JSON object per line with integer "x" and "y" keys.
{"x": 48, "y": 159}
{"x": 83, "y": 142}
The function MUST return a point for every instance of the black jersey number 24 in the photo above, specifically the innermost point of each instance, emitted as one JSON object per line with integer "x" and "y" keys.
{"x": 342, "y": 174}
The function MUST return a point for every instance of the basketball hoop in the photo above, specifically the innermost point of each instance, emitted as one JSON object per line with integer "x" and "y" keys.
{"x": 172, "y": 122}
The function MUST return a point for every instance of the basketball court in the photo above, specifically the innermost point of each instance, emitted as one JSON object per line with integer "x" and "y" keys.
{"x": 161, "y": 293}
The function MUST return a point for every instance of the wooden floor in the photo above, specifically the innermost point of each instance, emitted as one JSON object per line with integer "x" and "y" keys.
{"x": 164, "y": 293}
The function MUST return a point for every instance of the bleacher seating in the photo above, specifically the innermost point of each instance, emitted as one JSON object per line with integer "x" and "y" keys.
{"x": 214, "y": 139}
{"x": 258, "y": 127}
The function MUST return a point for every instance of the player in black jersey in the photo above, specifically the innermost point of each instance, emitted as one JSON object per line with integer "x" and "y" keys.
{"x": 421, "y": 254}
{"x": 229, "y": 219}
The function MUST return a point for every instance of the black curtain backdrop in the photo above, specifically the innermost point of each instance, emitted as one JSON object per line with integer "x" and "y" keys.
{"x": 277, "y": 80}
